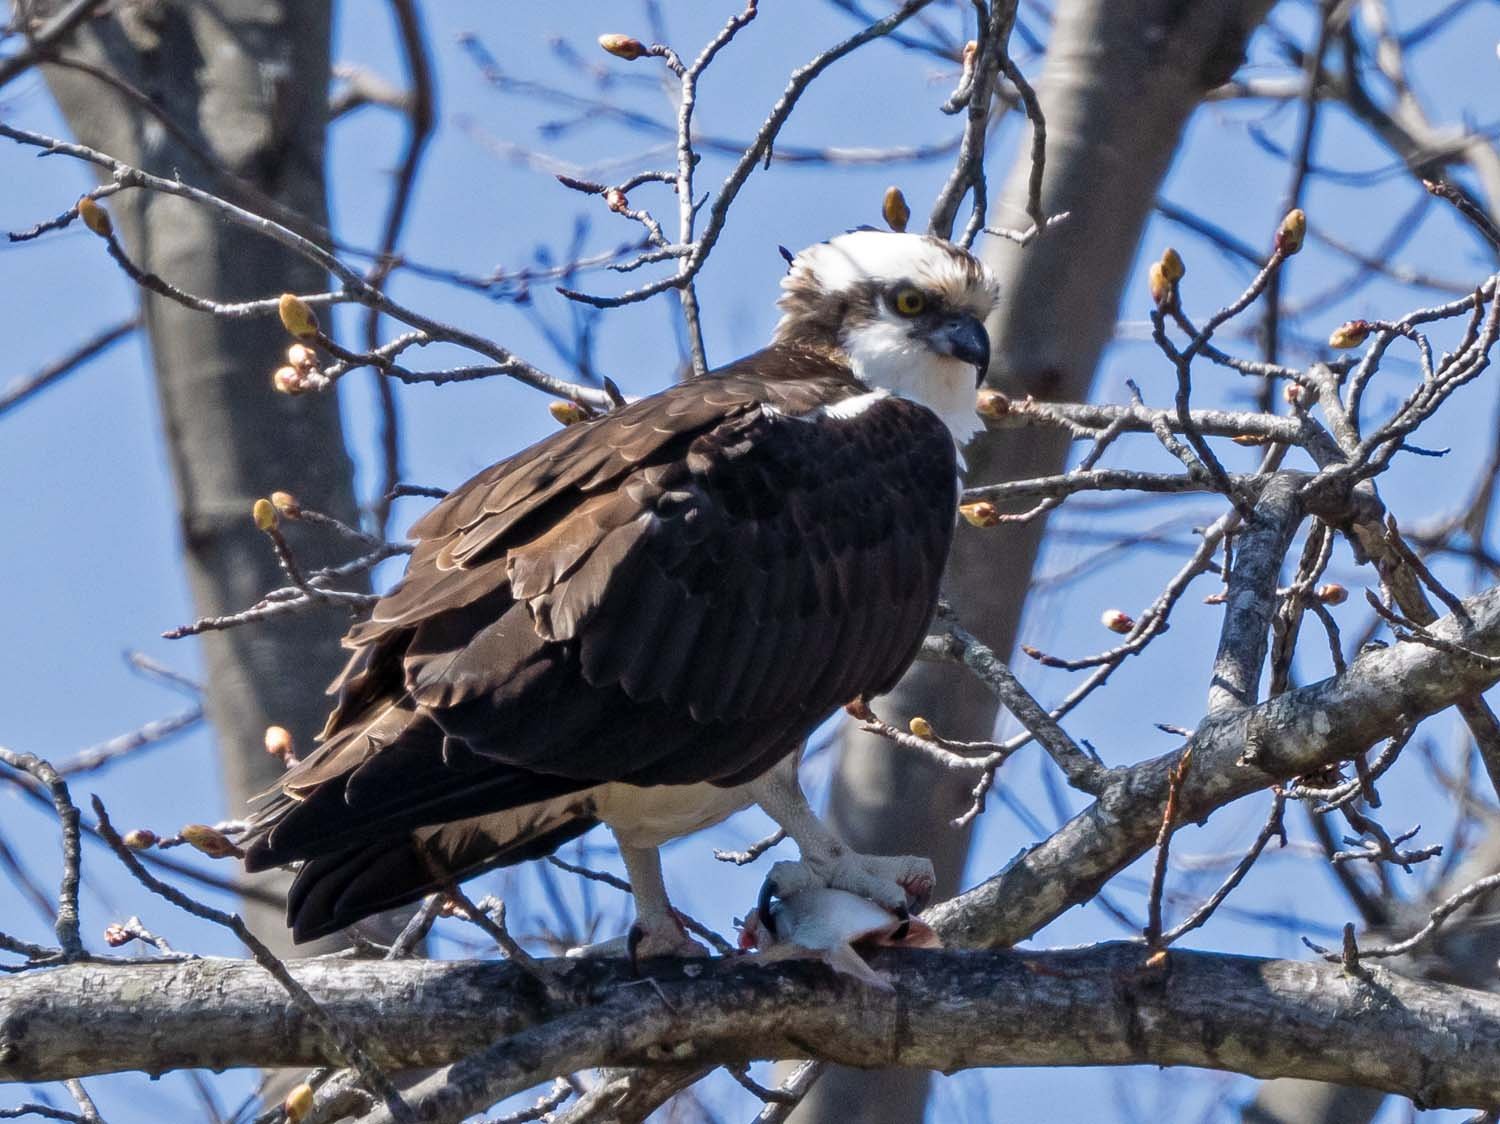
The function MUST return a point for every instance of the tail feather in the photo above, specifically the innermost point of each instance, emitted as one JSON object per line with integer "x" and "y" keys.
{"x": 333, "y": 891}
{"x": 409, "y": 785}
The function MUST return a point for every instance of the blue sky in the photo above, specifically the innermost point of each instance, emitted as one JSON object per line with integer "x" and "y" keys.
{"x": 92, "y": 567}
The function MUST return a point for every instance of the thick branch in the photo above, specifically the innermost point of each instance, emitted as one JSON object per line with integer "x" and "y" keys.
{"x": 1294, "y": 733}
{"x": 951, "y": 1010}
{"x": 1088, "y": 420}
{"x": 1251, "y": 596}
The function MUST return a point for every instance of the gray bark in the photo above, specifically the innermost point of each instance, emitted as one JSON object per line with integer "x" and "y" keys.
{"x": 1120, "y": 81}
{"x": 1464, "y": 952}
{"x": 951, "y": 1010}
{"x": 247, "y": 81}
{"x": 1293, "y": 734}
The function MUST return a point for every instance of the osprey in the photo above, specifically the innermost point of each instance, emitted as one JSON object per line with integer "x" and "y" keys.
{"x": 638, "y": 620}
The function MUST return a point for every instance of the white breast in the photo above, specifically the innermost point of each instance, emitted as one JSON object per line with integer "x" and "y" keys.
{"x": 648, "y": 817}
{"x": 883, "y": 355}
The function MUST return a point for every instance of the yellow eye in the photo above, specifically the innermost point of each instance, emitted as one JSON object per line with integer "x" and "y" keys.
{"x": 909, "y": 301}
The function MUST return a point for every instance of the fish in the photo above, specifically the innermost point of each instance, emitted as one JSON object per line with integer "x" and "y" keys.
{"x": 834, "y": 926}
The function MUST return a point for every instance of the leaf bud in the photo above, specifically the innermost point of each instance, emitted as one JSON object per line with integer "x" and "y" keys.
{"x": 1352, "y": 333}
{"x": 289, "y": 380}
{"x": 860, "y": 710}
{"x": 286, "y": 505}
{"x": 95, "y": 217}
{"x": 1117, "y": 621}
{"x": 278, "y": 741}
{"x": 298, "y": 1104}
{"x": 302, "y": 357}
{"x": 1171, "y": 265}
{"x": 1291, "y": 232}
{"x": 1331, "y": 593}
{"x": 117, "y": 935}
{"x": 264, "y": 513}
{"x": 567, "y": 413}
{"x": 893, "y": 207}
{"x": 920, "y": 727}
{"x": 622, "y": 46}
{"x": 981, "y": 513}
{"x": 992, "y": 404}
{"x": 1294, "y": 394}
{"x": 1161, "y": 288}
{"x": 210, "y": 840}
{"x": 139, "y": 839}
{"x": 297, "y": 316}
{"x": 616, "y": 200}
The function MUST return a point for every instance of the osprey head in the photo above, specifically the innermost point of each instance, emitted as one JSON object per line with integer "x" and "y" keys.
{"x": 907, "y": 310}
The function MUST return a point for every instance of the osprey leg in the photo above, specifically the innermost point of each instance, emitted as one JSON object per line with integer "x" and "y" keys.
{"x": 895, "y": 881}
{"x": 656, "y": 931}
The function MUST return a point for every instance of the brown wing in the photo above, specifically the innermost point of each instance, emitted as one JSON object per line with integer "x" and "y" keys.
{"x": 677, "y": 592}
{"x": 764, "y": 572}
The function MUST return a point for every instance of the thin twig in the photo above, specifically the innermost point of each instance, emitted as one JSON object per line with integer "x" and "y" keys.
{"x": 1082, "y": 771}
{"x": 489, "y": 915}
{"x": 758, "y": 150}
{"x": 343, "y": 1048}
{"x": 795, "y": 1088}
{"x": 420, "y": 108}
{"x": 1272, "y": 829}
{"x": 16, "y": 392}
{"x": 354, "y": 287}
{"x": 752, "y": 852}
{"x": 106, "y": 753}
{"x": 691, "y": 924}
{"x": 1436, "y": 918}
{"x": 67, "y": 815}
{"x": 1175, "y": 779}
{"x": 967, "y": 176}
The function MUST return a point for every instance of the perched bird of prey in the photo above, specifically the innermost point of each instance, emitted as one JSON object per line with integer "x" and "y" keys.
{"x": 638, "y": 620}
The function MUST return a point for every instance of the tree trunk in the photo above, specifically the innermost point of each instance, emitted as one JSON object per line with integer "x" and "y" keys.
{"x": 247, "y": 81}
{"x": 1120, "y": 81}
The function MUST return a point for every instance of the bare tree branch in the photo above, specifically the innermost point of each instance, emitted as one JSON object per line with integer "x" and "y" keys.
{"x": 1234, "y": 755}
{"x": 20, "y": 389}
{"x": 950, "y": 1010}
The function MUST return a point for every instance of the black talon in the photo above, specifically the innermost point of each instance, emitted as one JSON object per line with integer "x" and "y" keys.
{"x": 904, "y": 928}
{"x": 633, "y": 947}
{"x": 763, "y": 907}
{"x": 919, "y": 901}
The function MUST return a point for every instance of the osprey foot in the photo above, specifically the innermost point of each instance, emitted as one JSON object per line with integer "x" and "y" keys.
{"x": 898, "y": 882}
{"x": 601, "y": 950}
{"x": 650, "y": 938}
{"x": 642, "y": 943}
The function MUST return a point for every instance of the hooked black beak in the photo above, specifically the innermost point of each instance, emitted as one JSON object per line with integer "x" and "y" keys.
{"x": 964, "y": 337}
